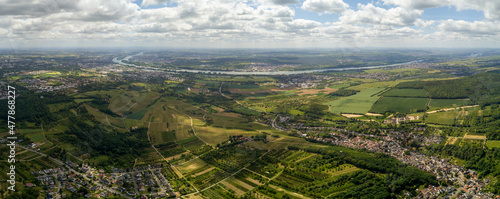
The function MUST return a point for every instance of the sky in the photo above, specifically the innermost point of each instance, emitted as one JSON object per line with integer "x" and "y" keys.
{"x": 249, "y": 23}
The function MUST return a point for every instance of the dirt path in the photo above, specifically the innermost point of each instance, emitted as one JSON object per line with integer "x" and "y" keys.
{"x": 449, "y": 109}
{"x": 122, "y": 106}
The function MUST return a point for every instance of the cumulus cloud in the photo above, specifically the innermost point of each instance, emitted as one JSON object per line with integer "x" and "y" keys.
{"x": 104, "y": 10}
{"x": 490, "y": 8}
{"x": 472, "y": 28}
{"x": 35, "y": 8}
{"x": 155, "y": 2}
{"x": 285, "y": 2}
{"x": 370, "y": 14}
{"x": 92, "y": 10}
{"x": 228, "y": 21}
{"x": 325, "y": 6}
{"x": 417, "y": 4}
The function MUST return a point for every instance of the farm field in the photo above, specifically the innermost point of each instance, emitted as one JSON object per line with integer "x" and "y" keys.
{"x": 359, "y": 103}
{"x": 399, "y": 104}
{"x": 449, "y": 102}
{"x": 445, "y": 117}
{"x": 395, "y": 92}
{"x": 193, "y": 166}
{"x": 493, "y": 144}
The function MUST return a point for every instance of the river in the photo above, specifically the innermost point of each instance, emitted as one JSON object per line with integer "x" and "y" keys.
{"x": 116, "y": 60}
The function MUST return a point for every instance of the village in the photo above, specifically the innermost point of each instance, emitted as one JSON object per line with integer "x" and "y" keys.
{"x": 463, "y": 183}
{"x": 141, "y": 182}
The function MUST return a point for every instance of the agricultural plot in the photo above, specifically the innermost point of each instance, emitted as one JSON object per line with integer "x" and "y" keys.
{"x": 170, "y": 149}
{"x": 268, "y": 165}
{"x": 38, "y": 137}
{"x": 250, "y": 178}
{"x": 359, "y": 103}
{"x": 270, "y": 191}
{"x": 207, "y": 179}
{"x": 98, "y": 115}
{"x": 341, "y": 170}
{"x": 149, "y": 158}
{"x": 231, "y": 159}
{"x": 399, "y": 104}
{"x": 224, "y": 126}
{"x": 218, "y": 191}
{"x": 83, "y": 100}
{"x": 130, "y": 101}
{"x": 193, "y": 166}
{"x": 444, "y": 118}
{"x": 106, "y": 119}
{"x": 163, "y": 119}
{"x": 139, "y": 114}
{"x": 366, "y": 84}
{"x": 57, "y": 107}
{"x": 195, "y": 145}
{"x": 238, "y": 186}
{"x": 493, "y": 144}
{"x": 395, "y": 92}
{"x": 133, "y": 123}
{"x": 449, "y": 102}
{"x": 282, "y": 142}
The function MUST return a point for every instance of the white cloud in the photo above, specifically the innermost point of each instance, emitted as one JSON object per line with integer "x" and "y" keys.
{"x": 155, "y": 2}
{"x": 235, "y": 23}
{"x": 491, "y": 8}
{"x": 285, "y": 2}
{"x": 105, "y": 10}
{"x": 417, "y": 4}
{"x": 470, "y": 28}
{"x": 325, "y": 6}
{"x": 370, "y": 14}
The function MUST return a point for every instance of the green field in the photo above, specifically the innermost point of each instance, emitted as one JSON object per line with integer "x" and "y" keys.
{"x": 139, "y": 114}
{"x": 30, "y": 130}
{"x": 446, "y": 118}
{"x": 405, "y": 93}
{"x": 193, "y": 165}
{"x": 168, "y": 136}
{"x": 82, "y": 100}
{"x": 493, "y": 143}
{"x": 359, "y": 103}
{"x": 36, "y": 137}
{"x": 449, "y": 102}
{"x": 399, "y": 104}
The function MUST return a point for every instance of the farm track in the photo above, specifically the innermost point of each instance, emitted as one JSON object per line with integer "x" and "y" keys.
{"x": 449, "y": 109}
{"x": 122, "y": 106}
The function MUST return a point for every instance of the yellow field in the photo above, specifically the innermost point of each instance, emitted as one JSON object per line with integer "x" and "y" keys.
{"x": 53, "y": 73}
{"x": 479, "y": 137}
{"x": 191, "y": 166}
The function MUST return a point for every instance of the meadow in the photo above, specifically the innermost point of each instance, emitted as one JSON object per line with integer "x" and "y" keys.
{"x": 493, "y": 144}
{"x": 445, "y": 117}
{"x": 399, "y": 105}
{"x": 359, "y": 103}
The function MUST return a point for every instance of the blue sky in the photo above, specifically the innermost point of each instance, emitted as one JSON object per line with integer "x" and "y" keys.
{"x": 251, "y": 23}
